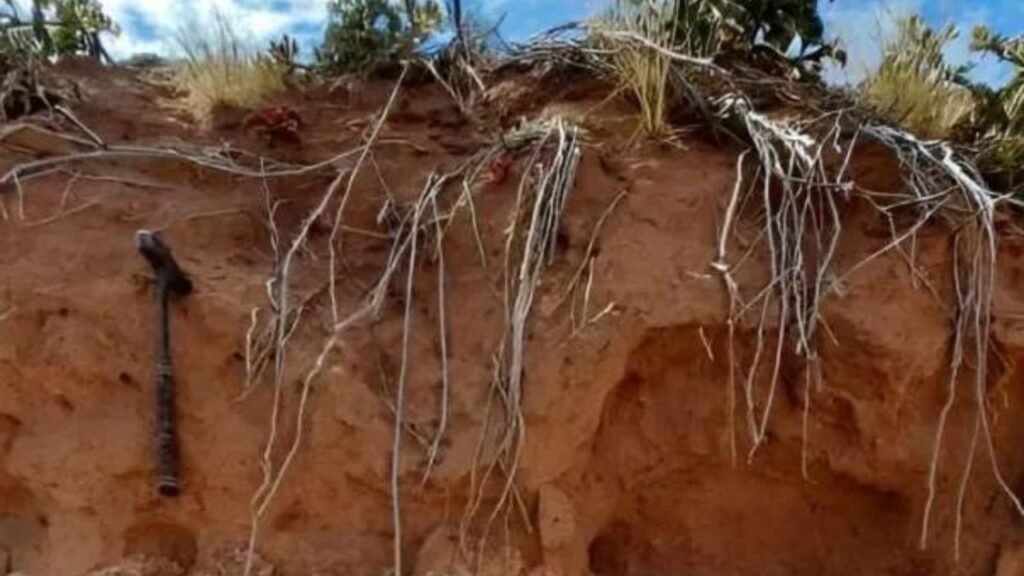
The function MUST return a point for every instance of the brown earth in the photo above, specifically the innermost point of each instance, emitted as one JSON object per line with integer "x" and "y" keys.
{"x": 626, "y": 467}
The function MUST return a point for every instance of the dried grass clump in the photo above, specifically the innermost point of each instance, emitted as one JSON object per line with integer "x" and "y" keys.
{"x": 220, "y": 69}
{"x": 642, "y": 46}
{"x": 641, "y": 72}
{"x": 915, "y": 87}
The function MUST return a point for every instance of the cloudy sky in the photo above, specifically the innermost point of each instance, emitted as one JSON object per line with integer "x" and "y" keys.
{"x": 863, "y": 25}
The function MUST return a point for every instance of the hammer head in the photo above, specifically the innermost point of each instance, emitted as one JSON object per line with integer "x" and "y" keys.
{"x": 164, "y": 266}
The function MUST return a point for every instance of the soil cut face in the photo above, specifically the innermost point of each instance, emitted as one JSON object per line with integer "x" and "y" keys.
{"x": 631, "y": 462}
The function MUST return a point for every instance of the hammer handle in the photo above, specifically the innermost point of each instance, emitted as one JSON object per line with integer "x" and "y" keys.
{"x": 166, "y": 428}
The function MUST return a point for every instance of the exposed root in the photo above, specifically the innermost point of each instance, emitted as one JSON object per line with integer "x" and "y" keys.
{"x": 587, "y": 266}
{"x": 938, "y": 179}
{"x": 396, "y": 449}
{"x": 428, "y": 201}
{"x": 200, "y": 158}
{"x": 93, "y": 136}
{"x": 956, "y": 361}
{"x": 812, "y": 371}
{"x": 340, "y": 211}
{"x": 721, "y": 265}
{"x": 548, "y": 178}
{"x": 965, "y": 480}
{"x": 628, "y": 36}
{"x": 799, "y": 200}
{"x": 560, "y": 46}
{"x": 284, "y": 323}
{"x": 442, "y": 315}
{"x": 405, "y": 252}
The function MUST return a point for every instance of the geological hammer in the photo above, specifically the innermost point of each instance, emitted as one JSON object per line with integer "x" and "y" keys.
{"x": 171, "y": 280}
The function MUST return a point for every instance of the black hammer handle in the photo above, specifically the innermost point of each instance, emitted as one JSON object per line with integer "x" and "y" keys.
{"x": 166, "y": 431}
{"x": 171, "y": 280}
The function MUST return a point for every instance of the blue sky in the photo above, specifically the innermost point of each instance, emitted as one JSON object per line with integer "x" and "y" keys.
{"x": 863, "y": 25}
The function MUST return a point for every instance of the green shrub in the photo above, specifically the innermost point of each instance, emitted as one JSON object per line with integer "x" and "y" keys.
{"x": 1008, "y": 113}
{"x": 361, "y": 33}
{"x": 56, "y": 28}
{"x": 1000, "y": 123}
{"x": 781, "y": 22}
{"x": 707, "y": 27}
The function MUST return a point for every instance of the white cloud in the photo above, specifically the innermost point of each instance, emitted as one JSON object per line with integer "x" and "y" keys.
{"x": 151, "y": 25}
{"x": 256, "y": 21}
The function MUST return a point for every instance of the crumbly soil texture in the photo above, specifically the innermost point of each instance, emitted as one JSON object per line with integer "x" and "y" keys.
{"x": 629, "y": 452}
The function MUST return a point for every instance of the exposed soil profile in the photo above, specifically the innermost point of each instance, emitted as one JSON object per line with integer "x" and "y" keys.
{"x": 633, "y": 450}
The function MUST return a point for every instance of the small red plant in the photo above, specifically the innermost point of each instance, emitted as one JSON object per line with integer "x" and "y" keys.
{"x": 276, "y": 124}
{"x": 498, "y": 169}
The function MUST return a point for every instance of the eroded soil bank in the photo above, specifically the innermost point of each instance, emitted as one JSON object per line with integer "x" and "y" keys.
{"x": 632, "y": 463}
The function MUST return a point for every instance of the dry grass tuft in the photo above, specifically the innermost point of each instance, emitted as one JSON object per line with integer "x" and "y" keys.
{"x": 220, "y": 69}
{"x": 915, "y": 87}
{"x": 652, "y": 49}
{"x": 641, "y": 72}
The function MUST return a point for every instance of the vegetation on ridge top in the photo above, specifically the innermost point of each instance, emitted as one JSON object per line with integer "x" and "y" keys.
{"x": 913, "y": 87}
